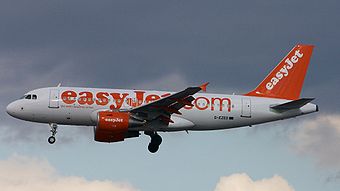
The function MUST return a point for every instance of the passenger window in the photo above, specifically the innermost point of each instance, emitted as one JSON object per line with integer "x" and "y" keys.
{"x": 28, "y": 97}
{"x": 34, "y": 97}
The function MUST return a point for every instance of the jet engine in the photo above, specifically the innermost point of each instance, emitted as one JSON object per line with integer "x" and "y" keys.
{"x": 114, "y": 126}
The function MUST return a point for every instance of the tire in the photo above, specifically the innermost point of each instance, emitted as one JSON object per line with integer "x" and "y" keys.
{"x": 153, "y": 148}
{"x": 156, "y": 139}
{"x": 51, "y": 140}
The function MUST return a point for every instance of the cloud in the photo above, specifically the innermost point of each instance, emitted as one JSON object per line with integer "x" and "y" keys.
{"x": 173, "y": 81}
{"x": 30, "y": 174}
{"x": 334, "y": 177}
{"x": 320, "y": 138}
{"x": 116, "y": 43}
{"x": 18, "y": 133}
{"x": 36, "y": 174}
{"x": 242, "y": 182}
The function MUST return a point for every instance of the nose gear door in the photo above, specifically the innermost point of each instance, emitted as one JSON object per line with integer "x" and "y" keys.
{"x": 54, "y": 98}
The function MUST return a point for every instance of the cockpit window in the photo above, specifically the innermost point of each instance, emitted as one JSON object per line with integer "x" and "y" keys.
{"x": 29, "y": 96}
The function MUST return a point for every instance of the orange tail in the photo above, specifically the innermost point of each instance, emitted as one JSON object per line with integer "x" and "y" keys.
{"x": 286, "y": 80}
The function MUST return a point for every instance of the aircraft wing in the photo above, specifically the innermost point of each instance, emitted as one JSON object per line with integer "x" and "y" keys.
{"x": 163, "y": 108}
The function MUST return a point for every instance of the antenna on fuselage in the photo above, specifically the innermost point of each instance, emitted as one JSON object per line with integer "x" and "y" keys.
{"x": 59, "y": 85}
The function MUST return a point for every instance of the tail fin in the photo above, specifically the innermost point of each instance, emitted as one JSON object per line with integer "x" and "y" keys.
{"x": 286, "y": 80}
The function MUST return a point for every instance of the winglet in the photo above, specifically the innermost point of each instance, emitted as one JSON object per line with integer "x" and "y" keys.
{"x": 204, "y": 86}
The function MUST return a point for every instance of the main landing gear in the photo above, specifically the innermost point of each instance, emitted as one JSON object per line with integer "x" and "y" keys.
{"x": 52, "y": 138}
{"x": 156, "y": 140}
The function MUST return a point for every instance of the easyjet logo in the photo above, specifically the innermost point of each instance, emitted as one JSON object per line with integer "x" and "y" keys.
{"x": 113, "y": 120}
{"x": 284, "y": 71}
{"x": 116, "y": 100}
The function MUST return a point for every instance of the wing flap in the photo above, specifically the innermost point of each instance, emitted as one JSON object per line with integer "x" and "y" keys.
{"x": 169, "y": 105}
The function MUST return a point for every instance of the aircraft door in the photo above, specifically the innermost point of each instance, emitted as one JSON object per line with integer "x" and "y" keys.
{"x": 54, "y": 98}
{"x": 246, "y": 108}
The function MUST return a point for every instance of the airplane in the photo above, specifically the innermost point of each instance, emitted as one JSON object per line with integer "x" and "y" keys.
{"x": 119, "y": 114}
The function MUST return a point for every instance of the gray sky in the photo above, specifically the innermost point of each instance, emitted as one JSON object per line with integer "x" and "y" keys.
{"x": 170, "y": 45}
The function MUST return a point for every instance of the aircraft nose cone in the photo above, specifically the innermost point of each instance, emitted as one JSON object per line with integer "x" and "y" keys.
{"x": 10, "y": 109}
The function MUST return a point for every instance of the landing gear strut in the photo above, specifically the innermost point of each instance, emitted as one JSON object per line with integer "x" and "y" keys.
{"x": 52, "y": 138}
{"x": 156, "y": 140}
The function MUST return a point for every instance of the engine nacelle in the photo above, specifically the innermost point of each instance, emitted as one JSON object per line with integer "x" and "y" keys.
{"x": 114, "y": 126}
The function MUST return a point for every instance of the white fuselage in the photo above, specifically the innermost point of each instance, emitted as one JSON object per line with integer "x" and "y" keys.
{"x": 79, "y": 106}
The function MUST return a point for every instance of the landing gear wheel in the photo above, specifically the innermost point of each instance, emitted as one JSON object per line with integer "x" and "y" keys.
{"x": 156, "y": 139}
{"x": 51, "y": 140}
{"x": 153, "y": 147}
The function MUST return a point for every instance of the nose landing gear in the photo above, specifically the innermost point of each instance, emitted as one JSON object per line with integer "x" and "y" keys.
{"x": 156, "y": 140}
{"x": 52, "y": 138}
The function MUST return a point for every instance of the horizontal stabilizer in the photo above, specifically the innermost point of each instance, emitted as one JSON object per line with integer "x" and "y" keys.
{"x": 296, "y": 104}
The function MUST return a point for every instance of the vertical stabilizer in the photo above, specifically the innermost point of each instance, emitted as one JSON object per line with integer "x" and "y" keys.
{"x": 286, "y": 80}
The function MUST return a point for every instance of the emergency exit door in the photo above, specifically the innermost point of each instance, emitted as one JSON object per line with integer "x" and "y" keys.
{"x": 246, "y": 108}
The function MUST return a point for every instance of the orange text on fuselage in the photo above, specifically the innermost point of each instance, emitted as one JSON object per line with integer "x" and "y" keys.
{"x": 116, "y": 100}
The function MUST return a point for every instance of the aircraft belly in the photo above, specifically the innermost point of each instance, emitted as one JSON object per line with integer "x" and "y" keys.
{"x": 68, "y": 116}
{"x": 180, "y": 123}
{"x": 208, "y": 120}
